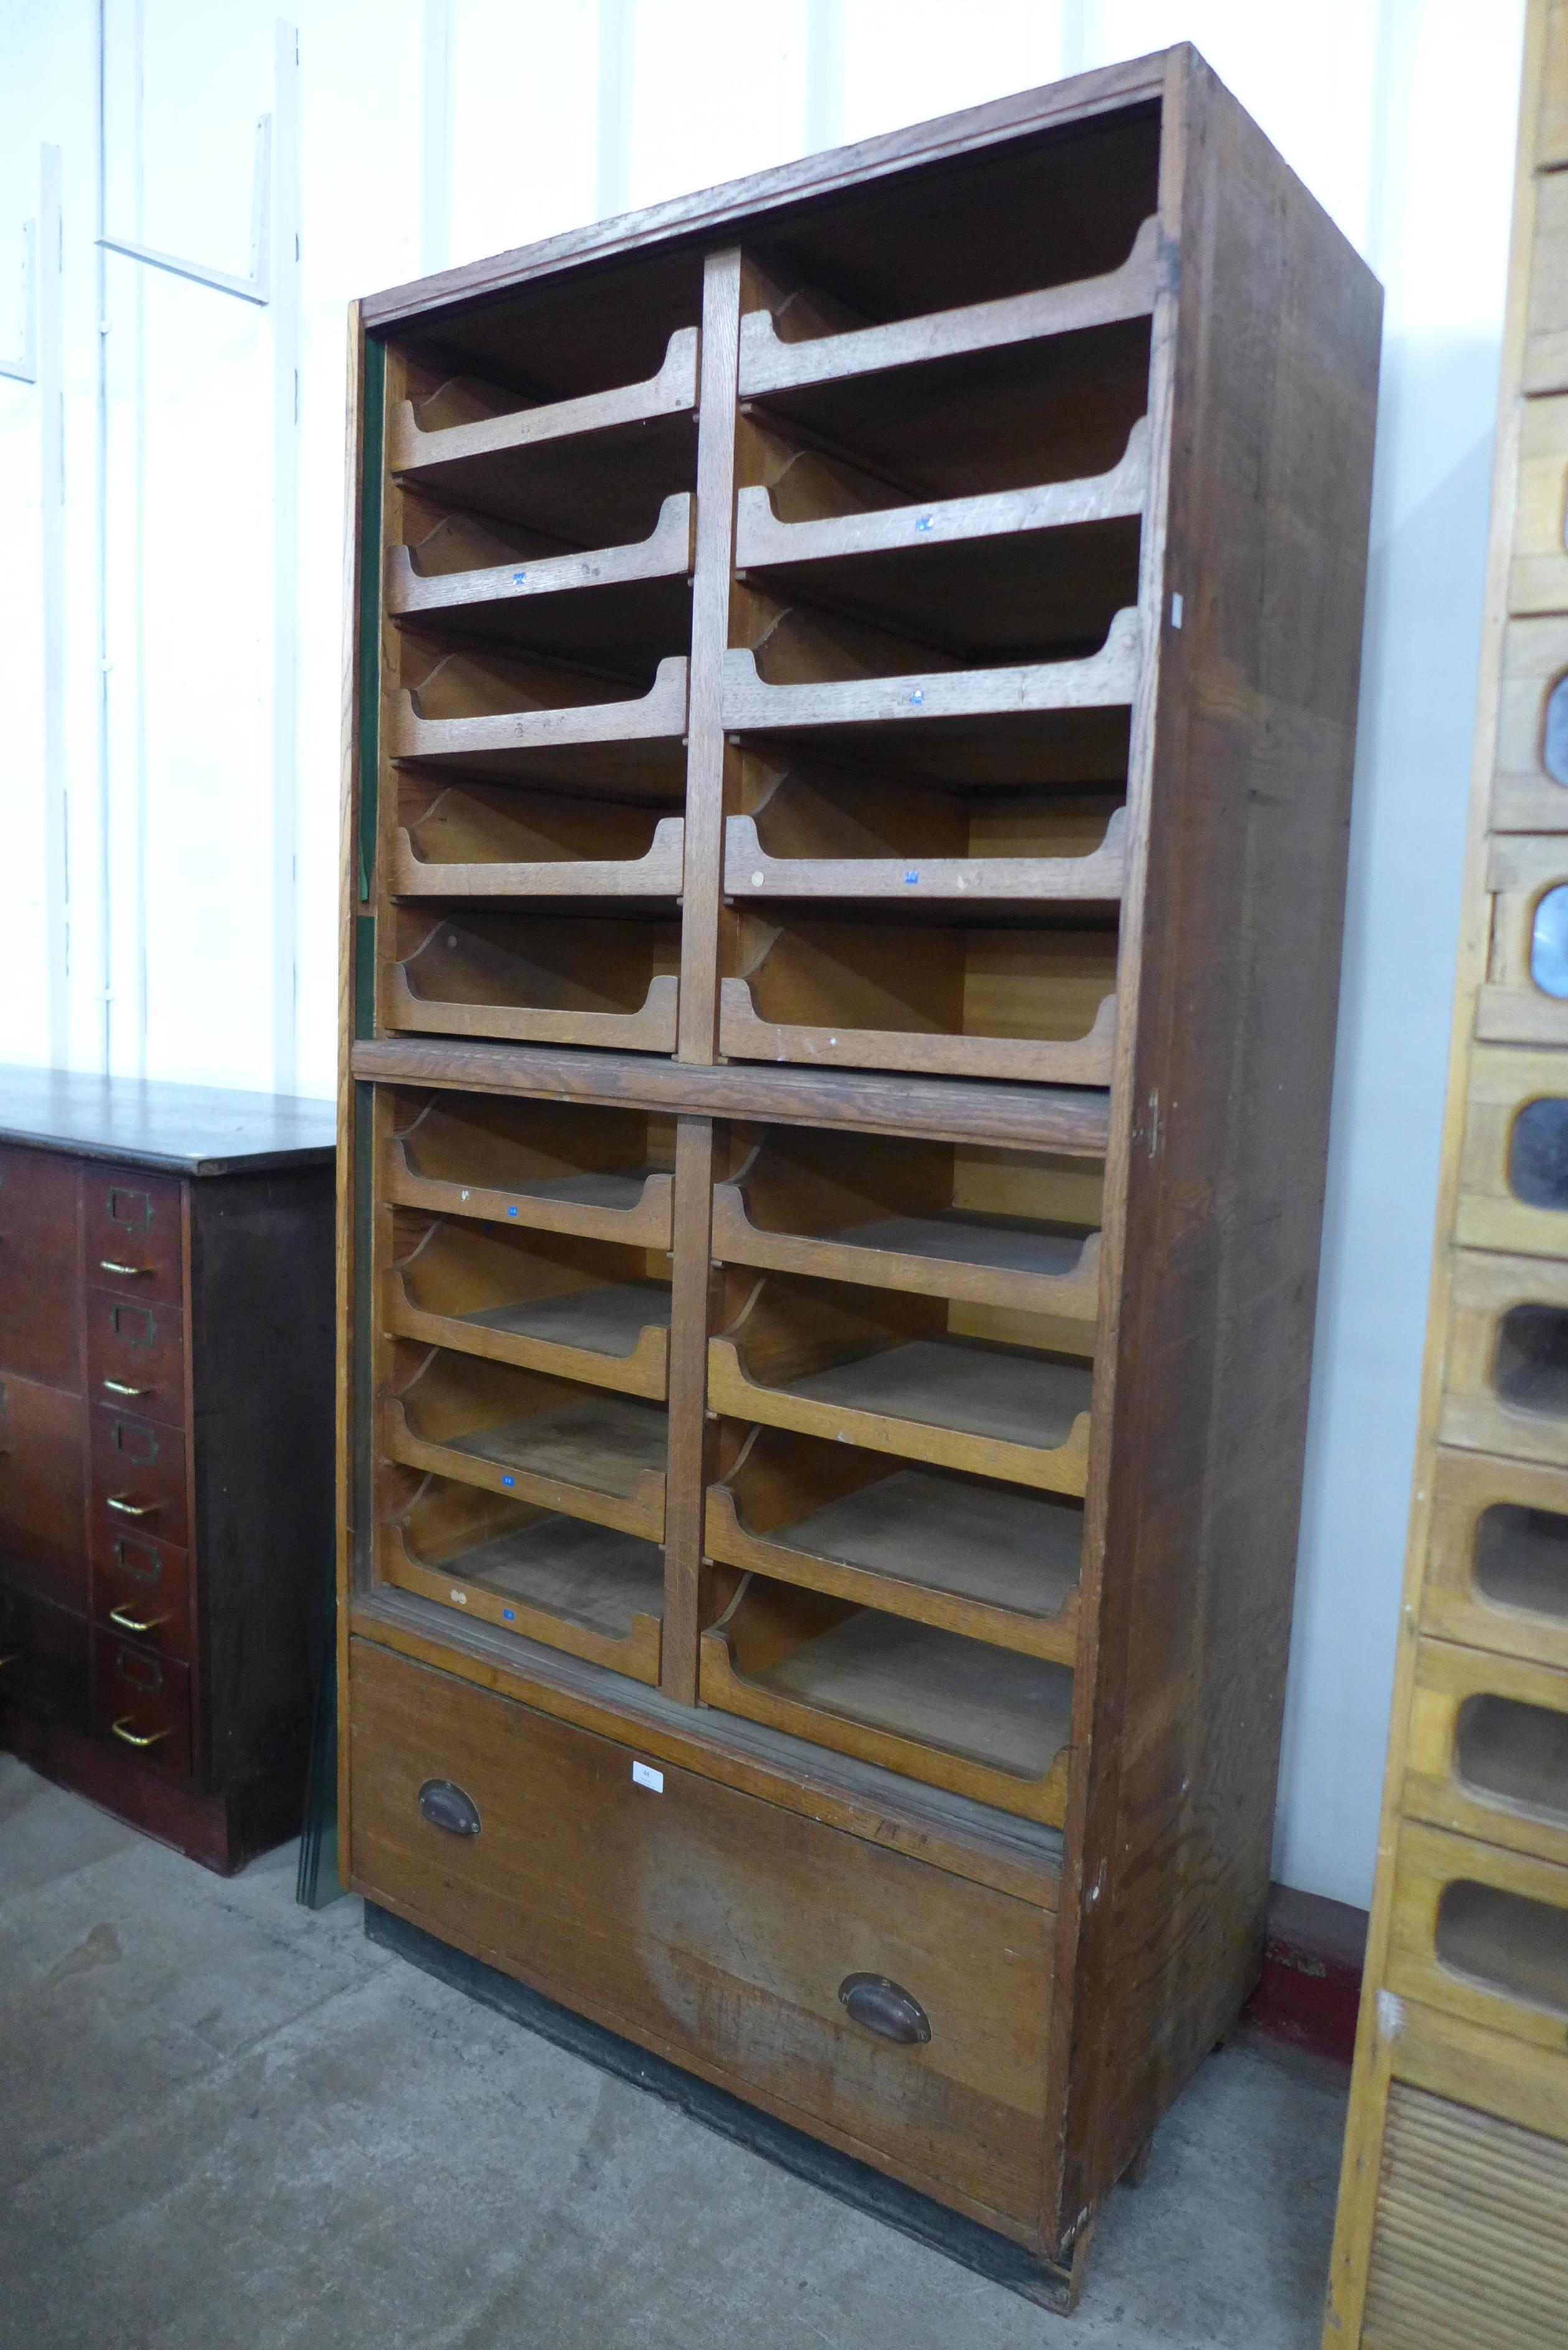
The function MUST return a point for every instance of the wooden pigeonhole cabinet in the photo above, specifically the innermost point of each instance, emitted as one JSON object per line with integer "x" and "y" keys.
{"x": 852, "y": 711}
{"x": 1452, "y": 2229}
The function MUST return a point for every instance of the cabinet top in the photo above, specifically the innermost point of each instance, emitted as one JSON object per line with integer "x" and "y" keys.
{"x": 192, "y": 1130}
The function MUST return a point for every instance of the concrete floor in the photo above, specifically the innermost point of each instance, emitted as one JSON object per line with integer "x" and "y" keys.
{"x": 225, "y": 2121}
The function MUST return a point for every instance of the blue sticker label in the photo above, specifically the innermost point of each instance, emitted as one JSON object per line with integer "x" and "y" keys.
{"x": 919, "y": 694}
{"x": 911, "y": 875}
{"x": 508, "y": 1480}
{"x": 509, "y": 1615}
{"x": 512, "y": 1211}
{"x": 924, "y": 523}
{"x": 518, "y": 577}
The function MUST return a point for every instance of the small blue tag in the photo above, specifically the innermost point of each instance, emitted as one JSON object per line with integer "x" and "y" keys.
{"x": 509, "y": 1615}
{"x": 508, "y": 1480}
{"x": 512, "y": 1211}
{"x": 911, "y": 875}
{"x": 924, "y": 523}
{"x": 518, "y": 577}
{"x": 919, "y": 694}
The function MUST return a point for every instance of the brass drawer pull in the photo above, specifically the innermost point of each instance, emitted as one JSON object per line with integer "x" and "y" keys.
{"x": 132, "y": 1509}
{"x": 119, "y": 1386}
{"x": 136, "y": 1737}
{"x": 130, "y": 1272}
{"x": 446, "y": 1807}
{"x": 129, "y": 1623}
{"x": 885, "y": 2008}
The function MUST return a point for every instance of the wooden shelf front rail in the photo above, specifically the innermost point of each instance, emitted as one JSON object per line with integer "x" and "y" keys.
{"x": 761, "y": 538}
{"x": 665, "y": 553}
{"x": 658, "y": 715}
{"x": 768, "y": 364}
{"x": 420, "y": 454}
{"x": 1096, "y": 879}
{"x": 657, "y": 874}
{"x": 1106, "y": 679}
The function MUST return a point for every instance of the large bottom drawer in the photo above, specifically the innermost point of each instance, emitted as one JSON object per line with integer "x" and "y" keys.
{"x": 719, "y": 1930}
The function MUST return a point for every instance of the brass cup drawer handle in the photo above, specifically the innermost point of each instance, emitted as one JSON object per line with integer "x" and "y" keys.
{"x": 132, "y": 1509}
{"x": 119, "y": 1386}
{"x": 129, "y": 1272}
{"x": 885, "y": 2008}
{"x": 130, "y": 1623}
{"x": 136, "y": 1737}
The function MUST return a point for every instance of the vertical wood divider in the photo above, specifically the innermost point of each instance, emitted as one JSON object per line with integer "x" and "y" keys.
{"x": 703, "y": 881}
{"x": 686, "y": 1476}
{"x": 700, "y": 915}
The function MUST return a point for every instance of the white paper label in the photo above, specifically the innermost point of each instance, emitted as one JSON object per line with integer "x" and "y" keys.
{"x": 645, "y": 1775}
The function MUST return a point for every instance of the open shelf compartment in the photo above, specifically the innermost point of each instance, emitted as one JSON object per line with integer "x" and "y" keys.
{"x": 584, "y": 1451}
{"x": 907, "y": 1375}
{"x": 561, "y": 980}
{"x": 467, "y": 836}
{"x": 585, "y": 1588}
{"x": 955, "y": 1712}
{"x": 582, "y": 1309}
{"x": 981, "y": 998}
{"x": 966, "y": 1555}
{"x": 1001, "y": 1228}
{"x": 556, "y": 1167}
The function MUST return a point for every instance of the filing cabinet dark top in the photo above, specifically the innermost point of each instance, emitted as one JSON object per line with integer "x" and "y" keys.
{"x": 187, "y": 1129}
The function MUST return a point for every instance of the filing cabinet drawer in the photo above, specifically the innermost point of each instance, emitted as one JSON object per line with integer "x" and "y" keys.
{"x": 143, "y": 1702}
{"x": 44, "y": 1657}
{"x": 1482, "y": 1933}
{"x": 39, "y": 1266}
{"x": 138, "y": 1475}
{"x": 136, "y": 1354}
{"x": 131, "y": 1232}
{"x": 789, "y": 1961}
{"x": 42, "y": 1516}
{"x": 140, "y": 1587}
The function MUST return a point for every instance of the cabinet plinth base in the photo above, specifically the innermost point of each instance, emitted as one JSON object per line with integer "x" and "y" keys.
{"x": 1053, "y": 2284}
{"x": 221, "y": 1831}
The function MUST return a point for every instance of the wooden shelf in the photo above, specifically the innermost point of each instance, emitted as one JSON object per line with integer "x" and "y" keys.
{"x": 470, "y": 444}
{"x": 555, "y": 981}
{"x": 770, "y": 365}
{"x": 468, "y": 838}
{"x": 489, "y": 712}
{"x": 996, "y": 1229}
{"x": 1002, "y": 578}
{"x": 580, "y": 1450}
{"x": 580, "y": 1309}
{"x": 581, "y": 1588}
{"x": 868, "y": 1368}
{"x": 813, "y": 831}
{"x": 990, "y": 1560}
{"x": 958, "y": 1713}
{"x": 551, "y": 1166}
{"x": 1105, "y": 679}
{"x": 984, "y": 1001}
{"x": 486, "y": 582}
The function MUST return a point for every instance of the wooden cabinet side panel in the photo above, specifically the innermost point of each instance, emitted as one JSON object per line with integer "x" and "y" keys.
{"x": 1276, "y": 371}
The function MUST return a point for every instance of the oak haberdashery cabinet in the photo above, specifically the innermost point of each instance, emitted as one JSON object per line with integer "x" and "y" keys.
{"x": 1452, "y": 2230}
{"x": 852, "y": 704}
{"x": 166, "y": 1361}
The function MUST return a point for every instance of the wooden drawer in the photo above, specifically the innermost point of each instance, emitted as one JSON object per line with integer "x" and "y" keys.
{"x": 136, "y": 1354}
{"x": 130, "y": 1232}
{"x": 1482, "y": 1933}
{"x": 715, "y": 1928}
{"x": 141, "y": 1701}
{"x": 40, "y": 1261}
{"x": 141, "y": 1586}
{"x": 1488, "y": 1749}
{"x": 43, "y": 1656}
{"x": 138, "y": 1475}
{"x": 42, "y": 1524}
{"x": 1497, "y": 1556}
